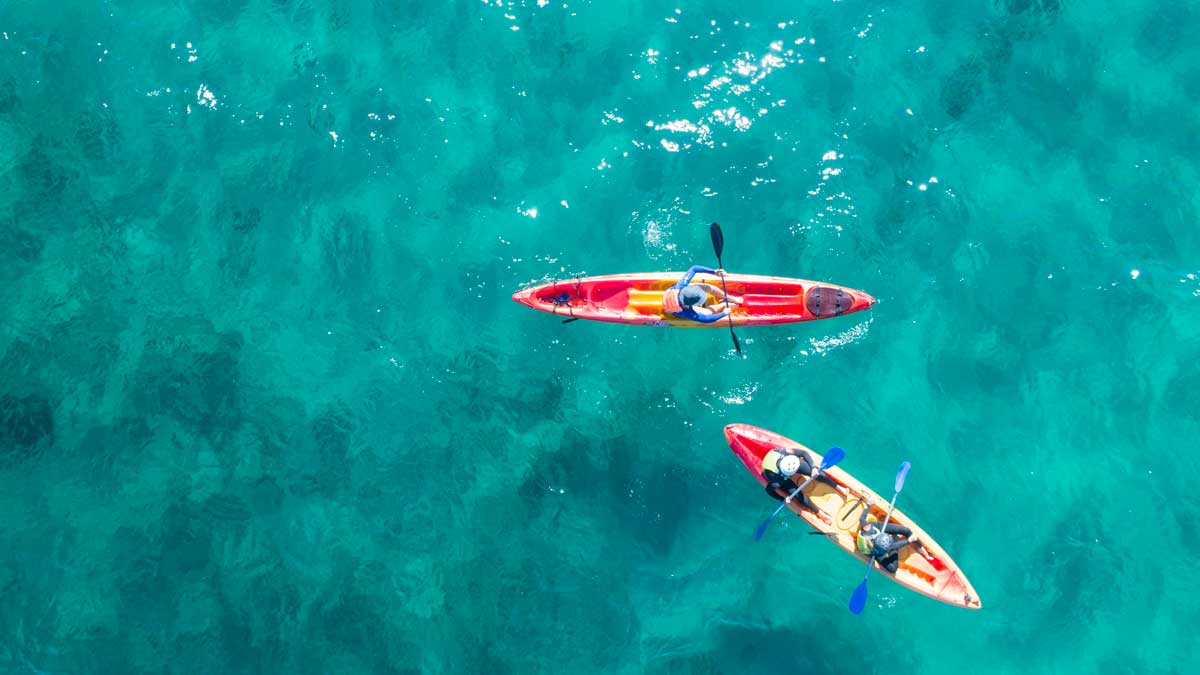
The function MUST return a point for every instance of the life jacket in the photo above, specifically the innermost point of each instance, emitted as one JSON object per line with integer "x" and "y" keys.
{"x": 865, "y": 545}
{"x": 671, "y": 301}
{"x": 771, "y": 461}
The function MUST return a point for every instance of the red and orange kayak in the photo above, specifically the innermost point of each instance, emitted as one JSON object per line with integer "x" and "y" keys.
{"x": 937, "y": 577}
{"x": 637, "y": 299}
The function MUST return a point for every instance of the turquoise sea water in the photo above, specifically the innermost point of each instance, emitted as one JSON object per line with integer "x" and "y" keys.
{"x": 266, "y": 406}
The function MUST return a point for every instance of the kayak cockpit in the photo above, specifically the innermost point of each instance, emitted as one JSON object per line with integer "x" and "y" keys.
{"x": 826, "y": 301}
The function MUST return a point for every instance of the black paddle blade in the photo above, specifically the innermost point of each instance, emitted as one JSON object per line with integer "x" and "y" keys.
{"x": 570, "y": 320}
{"x": 718, "y": 238}
{"x": 718, "y": 241}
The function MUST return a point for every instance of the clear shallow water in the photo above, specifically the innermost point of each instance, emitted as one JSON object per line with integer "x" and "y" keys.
{"x": 265, "y": 405}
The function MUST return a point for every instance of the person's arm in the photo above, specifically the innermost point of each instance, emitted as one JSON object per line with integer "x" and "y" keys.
{"x": 714, "y": 291}
{"x": 687, "y": 276}
{"x": 771, "y": 490}
{"x": 862, "y": 517}
{"x": 705, "y": 315}
{"x": 812, "y": 467}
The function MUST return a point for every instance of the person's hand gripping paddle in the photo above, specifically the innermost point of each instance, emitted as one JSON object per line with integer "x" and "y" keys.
{"x": 718, "y": 242}
{"x": 831, "y": 458}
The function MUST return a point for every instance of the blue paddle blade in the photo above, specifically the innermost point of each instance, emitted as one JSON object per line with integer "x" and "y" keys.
{"x": 858, "y": 601}
{"x": 832, "y": 457}
{"x": 762, "y": 528}
{"x": 902, "y": 474}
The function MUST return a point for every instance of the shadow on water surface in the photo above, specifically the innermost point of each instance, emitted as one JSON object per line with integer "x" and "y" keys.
{"x": 1023, "y": 20}
{"x": 814, "y": 648}
{"x": 190, "y": 372}
{"x": 9, "y": 98}
{"x": 26, "y": 426}
{"x": 1072, "y": 574}
{"x": 20, "y": 243}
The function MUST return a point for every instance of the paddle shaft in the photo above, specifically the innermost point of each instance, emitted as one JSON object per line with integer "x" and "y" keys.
{"x": 718, "y": 246}
{"x": 793, "y": 494}
{"x": 859, "y": 598}
{"x": 889, "y": 513}
{"x": 729, "y": 308}
{"x": 832, "y": 457}
{"x": 870, "y": 563}
{"x": 802, "y": 486}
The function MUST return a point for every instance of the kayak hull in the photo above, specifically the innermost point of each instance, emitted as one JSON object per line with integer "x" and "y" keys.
{"x": 939, "y": 578}
{"x": 637, "y": 299}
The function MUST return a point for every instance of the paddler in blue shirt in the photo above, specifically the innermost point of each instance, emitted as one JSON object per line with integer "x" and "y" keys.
{"x": 691, "y": 301}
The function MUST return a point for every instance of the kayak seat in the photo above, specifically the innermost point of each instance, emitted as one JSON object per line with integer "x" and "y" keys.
{"x": 847, "y": 515}
{"x": 645, "y": 302}
{"x": 823, "y": 301}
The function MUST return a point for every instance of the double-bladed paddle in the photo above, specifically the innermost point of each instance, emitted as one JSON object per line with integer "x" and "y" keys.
{"x": 858, "y": 600}
{"x": 831, "y": 458}
{"x": 718, "y": 242}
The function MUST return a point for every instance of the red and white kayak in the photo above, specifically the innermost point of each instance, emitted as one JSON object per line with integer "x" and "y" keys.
{"x": 936, "y": 576}
{"x": 638, "y": 299}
